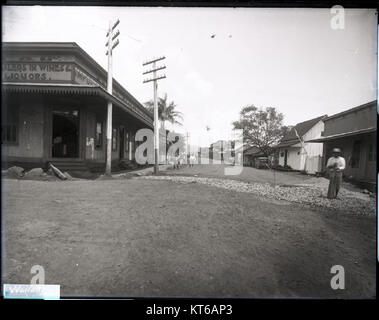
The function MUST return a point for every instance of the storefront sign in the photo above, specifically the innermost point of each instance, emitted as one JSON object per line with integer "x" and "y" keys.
{"x": 35, "y": 72}
{"x": 82, "y": 78}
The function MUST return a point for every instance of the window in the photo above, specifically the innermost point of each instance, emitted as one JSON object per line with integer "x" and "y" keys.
{"x": 354, "y": 162}
{"x": 99, "y": 134}
{"x": 114, "y": 139}
{"x": 9, "y": 127}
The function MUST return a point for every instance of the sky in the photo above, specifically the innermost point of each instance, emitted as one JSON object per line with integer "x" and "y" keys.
{"x": 220, "y": 60}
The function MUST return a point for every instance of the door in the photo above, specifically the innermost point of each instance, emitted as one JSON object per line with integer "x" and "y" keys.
{"x": 65, "y": 133}
{"x": 285, "y": 157}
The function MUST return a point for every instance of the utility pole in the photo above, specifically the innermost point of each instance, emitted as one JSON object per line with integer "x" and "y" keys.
{"x": 156, "y": 120}
{"x": 110, "y": 46}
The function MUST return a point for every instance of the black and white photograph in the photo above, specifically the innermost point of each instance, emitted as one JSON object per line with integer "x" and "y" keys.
{"x": 189, "y": 152}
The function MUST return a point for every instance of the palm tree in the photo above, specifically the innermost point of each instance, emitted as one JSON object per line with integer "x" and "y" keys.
{"x": 166, "y": 111}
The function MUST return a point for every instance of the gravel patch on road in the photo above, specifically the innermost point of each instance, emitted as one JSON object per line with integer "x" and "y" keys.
{"x": 310, "y": 194}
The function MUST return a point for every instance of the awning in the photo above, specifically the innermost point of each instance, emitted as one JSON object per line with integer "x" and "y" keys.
{"x": 253, "y": 152}
{"x": 243, "y": 148}
{"x": 78, "y": 89}
{"x": 290, "y": 143}
{"x": 343, "y": 135}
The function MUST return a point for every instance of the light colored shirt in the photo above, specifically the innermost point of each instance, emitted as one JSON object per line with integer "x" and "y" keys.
{"x": 339, "y": 161}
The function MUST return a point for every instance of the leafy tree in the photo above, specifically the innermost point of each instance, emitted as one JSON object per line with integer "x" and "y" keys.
{"x": 262, "y": 128}
{"x": 286, "y": 129}
{"x": 166, "y": 111}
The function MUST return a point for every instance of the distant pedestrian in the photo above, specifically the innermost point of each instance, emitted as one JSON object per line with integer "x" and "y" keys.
{"x": 192, "y": 160}
{"x": 176, "y": 162}
{"x": 335, "y": 165}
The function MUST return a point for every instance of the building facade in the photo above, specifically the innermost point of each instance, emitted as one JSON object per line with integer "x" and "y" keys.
{"x": 296, "y": 153}
{"x": 222, "y": 151}
{"x": 54, "y": 109}
{"x": 354, "y": 132}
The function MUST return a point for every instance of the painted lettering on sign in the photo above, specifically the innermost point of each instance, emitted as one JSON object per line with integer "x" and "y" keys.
{"x": 35, "y": 72}
{"x": 83, "y": 78}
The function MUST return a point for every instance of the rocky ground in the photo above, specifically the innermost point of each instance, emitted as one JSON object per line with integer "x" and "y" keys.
{"x": 312, "y": 193}
{"x": 289, "y": 186}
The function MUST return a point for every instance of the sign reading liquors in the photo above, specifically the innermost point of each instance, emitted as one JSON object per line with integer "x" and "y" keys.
{"x": 35, "y": 72}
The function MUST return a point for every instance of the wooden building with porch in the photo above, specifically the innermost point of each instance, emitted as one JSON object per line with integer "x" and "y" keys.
{"x": 354, "y": 132}
{"x": 54, "y": 109}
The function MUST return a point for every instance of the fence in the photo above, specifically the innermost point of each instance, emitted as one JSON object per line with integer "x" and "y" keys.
{"x": 313, "y": 164}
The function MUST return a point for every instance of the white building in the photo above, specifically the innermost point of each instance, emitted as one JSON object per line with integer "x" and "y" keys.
{"x": 296, "y": 153}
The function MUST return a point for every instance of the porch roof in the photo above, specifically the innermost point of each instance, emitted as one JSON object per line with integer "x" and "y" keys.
{"x": 253, "y": 151}
{"x": 291, "y": 143}
{"x": 343, "y": 135}
{"x": 92, "y": 90}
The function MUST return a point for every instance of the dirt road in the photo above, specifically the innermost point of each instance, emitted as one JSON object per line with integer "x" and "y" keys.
{"x": 135, "y": 237}
{"x": 244, "y": 174}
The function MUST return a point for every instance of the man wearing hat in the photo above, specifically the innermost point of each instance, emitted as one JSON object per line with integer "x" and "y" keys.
{"x": 336, "y": 164}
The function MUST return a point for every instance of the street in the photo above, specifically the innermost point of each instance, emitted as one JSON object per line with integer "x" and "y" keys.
{"x": 160, "y": 238}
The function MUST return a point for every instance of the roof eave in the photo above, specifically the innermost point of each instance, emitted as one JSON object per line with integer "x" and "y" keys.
{"x": 76, "y": 50}
{"x": 82, "y": 89}
{"x": 343, "y": 135}
{"x": 351, "y": 110}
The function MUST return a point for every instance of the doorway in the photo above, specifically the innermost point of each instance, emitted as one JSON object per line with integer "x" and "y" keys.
{"x": 65, "y": 137}
{"x": 285, "y": 157}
